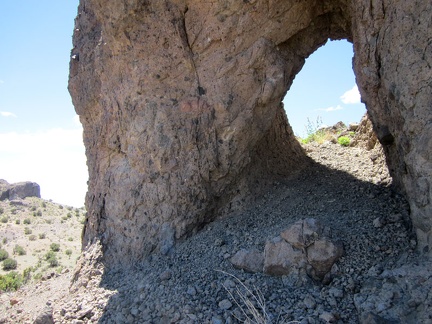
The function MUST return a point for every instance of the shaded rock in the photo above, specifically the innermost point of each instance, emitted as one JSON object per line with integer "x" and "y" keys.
{"x": 352, "y": 127}
{"x": 280, "y": 258}
{"x": 248, "y": 260}
{"x": 167, "y": 239}
{"x": 4, "y": 189}
{"x": 322, "y": 254}
{"x": 225, "y": 304}
{"x": 401, "y": 295}
{"x": 20, "y": 190}
{"x": 45, "y": 317}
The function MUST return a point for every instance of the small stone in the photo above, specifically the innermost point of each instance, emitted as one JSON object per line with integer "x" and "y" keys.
{"x": 309, "y": 302}
{"x": 377, "y": 222}
{"x": 191, "y": 291}
{"x": 336, "y": 292}
{"x": 165, "y": 275}
{"x": 225, "y": 304}
{"x": 328, "y": 317}
{"x": 13, "y": 301}
{"x": 219, "y": 242}
{"x": 217, "y": 320}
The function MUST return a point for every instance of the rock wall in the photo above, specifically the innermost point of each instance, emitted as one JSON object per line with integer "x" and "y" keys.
{"x": 181, "y": 105}
{"x": 393, "y": 59}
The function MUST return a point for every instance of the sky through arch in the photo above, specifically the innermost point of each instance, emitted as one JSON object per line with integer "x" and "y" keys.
{"x": 325, "y": 89}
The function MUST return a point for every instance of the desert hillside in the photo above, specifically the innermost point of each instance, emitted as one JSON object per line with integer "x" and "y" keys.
{"x": 42, "y": 238}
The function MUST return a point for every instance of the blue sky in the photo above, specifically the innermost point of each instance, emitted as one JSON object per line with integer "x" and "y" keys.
{"x": 40, "y": 136}
{"x": 325, "y": 89}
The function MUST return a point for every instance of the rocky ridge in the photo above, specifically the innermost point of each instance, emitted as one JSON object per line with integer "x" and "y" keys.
{"x": 19, "y": 190}
{"x": 379, "y": 277}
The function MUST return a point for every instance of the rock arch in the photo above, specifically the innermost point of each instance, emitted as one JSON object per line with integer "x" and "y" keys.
{"x": 181, "y": 105}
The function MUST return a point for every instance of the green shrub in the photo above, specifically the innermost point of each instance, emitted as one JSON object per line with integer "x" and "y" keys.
{"x": 1, "y": 210}
{"x": 33, "y": 208}
{"x": 13, "y": 211}
{"x": 3, "y": 255}
{"x": 27, "y": 274}
{"x": 10, "y": 281}
{"x": 344, "y": 141}
{"x": 4, "y": 219}
{"x": 32, "y": 237}
{"x": 51, "y": 258}
{"x": 39, "y": 213}
{"x": 42, "y": 236}
{"x": 43, "y": 204}
{"x": 49, "y": 255}
{"x": 55, "y": 247}
{"x": 68, "y": 252}
{"x": 9, "y": 264}
{"x": 17, "y": 222}
{"x": 70, "y": 239}
{"x": 27, "y": 221}
{"x": 27, "y": 231}
{"x": 4, "y": 240}
{"x": 18, "y": 249}
{"x": 60, "y": 206}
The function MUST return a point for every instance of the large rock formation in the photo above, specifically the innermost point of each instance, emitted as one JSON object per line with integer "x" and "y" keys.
{"x": 181, "y": 105}
{"x": 19, "y": 190}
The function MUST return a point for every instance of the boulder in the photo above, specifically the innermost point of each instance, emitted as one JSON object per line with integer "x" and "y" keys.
{"x": 45, "y": 316}
{"x": 248, "y": 260}
{"x": 4, "y": 189}
{"x": 303, "y": 233}
{"x": 20, "y": 190}
{"x": 281, "y": 258}
{"x": 322, "y": 254}
{"x": 25, "y": 189}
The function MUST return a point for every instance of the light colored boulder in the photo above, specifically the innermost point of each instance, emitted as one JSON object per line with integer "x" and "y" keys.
{"x": 322, "y": 254}
{"x": 248, "y": 260}
{"x": 303, "y": 233}
{"x": 280, "y": 258}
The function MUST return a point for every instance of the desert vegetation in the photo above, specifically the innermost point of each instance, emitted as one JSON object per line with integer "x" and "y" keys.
{"x": 37, "y": 237}
{"x": 316, "y": 132}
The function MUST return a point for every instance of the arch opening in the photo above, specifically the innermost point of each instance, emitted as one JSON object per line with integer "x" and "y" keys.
{"x": 325, "y": 90}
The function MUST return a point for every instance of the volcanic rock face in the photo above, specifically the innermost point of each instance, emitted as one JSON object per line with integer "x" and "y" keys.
{"x": 19, "y": 190}
{"x": 181, "y": 105}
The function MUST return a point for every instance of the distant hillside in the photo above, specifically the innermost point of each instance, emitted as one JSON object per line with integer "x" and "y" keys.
{"x": 41, "y": 236}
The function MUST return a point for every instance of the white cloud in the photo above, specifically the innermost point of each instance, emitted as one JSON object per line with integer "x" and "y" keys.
{"x": 329, "y": 109}
{"x": 7, "y": 114}
{"x": 76, "y": 121}
{"x": 1, "y": 81}
{"x": 351, "y": 96}
{"x": 54, "y": 159}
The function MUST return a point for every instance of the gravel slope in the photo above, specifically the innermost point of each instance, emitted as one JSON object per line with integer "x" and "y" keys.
{"x": 349, "y": 191}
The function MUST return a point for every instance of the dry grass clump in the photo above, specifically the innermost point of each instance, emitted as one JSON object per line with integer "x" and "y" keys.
{"x": 252, "y": 304}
